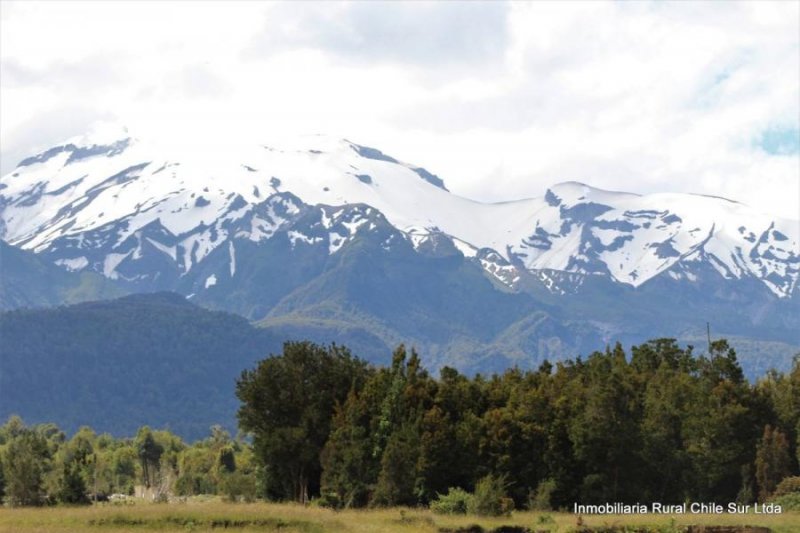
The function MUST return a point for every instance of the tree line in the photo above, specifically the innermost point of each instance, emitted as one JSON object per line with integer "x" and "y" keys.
{"x": 40, "y": 465}
{"x": 659, "y": 423}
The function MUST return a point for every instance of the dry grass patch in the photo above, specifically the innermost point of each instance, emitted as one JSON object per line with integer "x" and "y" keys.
{"x": 216, "y": 516}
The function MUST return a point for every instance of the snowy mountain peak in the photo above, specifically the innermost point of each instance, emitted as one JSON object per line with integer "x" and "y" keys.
{"x": 107, "y": 202}
{"x": 101, "y": 133}
{"x": 103, "y": 139}
{"x": 571, "y": 193}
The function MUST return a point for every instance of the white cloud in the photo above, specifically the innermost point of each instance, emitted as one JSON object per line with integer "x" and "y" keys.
{"x": 499, "y": 100}
{"x": 445, "y": 35}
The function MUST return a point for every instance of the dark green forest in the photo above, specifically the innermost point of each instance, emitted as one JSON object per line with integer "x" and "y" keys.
{"x": 659, "y": 423}
{"x": 116, "y": 365}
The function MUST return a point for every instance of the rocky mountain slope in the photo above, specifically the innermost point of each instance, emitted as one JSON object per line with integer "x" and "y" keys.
{"x": 28, "y": 281}
{"x": 329, "y": 239}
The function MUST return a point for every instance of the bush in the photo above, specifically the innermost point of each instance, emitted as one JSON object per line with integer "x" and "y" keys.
{"x": 456, "y": 501}
{"x": 490, "y": 497}
{"x": 328, "y": 499}
{"x": 788, "y": 502}
{"x": 541, "y": 500}
{"x": 787, "y": 486}
{"x": 189, "y": 484}
{"x": 238, "y": 486}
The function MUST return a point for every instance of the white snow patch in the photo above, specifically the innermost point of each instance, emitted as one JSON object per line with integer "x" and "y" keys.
{"x": 170, "y": 251}
{"x": 111, "y": 263}
{"x": 335, "y": 242}
{"x": 295, "y": 236}
{"x": 353, "y": 226}
{"x": 327, "y": 221}
{"x": 260, "y": 229}
{"x": 506, "y": 274}
{"x": 466, "y": 249}
{"x": 232, "y": 254}
{"x": 211, "y": 281}
{"x": 417, "y": 235}
{"x": 74, "y": 264}
{"x": 200, "y": 245}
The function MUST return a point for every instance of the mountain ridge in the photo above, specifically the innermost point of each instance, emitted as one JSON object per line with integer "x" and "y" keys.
{"x": 573, "y": 228}
{"x": 325, "y": 239}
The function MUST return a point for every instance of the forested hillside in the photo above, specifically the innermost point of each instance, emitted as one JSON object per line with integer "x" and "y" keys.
{"x": 116, "y": 365}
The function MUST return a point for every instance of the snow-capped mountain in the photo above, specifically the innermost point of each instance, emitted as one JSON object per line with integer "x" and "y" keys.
{"x": 136, "y": 212}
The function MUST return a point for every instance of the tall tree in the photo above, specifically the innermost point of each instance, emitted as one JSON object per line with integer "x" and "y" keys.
{"x": 721, "y": 427}
{"x": 607, "y": 429}
{"x": 398, "y": 478}
{"x": 349, "y": 469}
{"x": 666, "y": 399}
{"x": 25, "y": 461}
{"x": 772, "y": 461}
{"x": 149, "y": 453}
{"x": 287, "y": 403}
{"x": 71, "y": 486}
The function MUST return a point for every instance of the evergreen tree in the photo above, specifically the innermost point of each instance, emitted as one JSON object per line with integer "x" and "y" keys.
{"x": 772, "y": 461}
{"x": 563, "y": 391}
{"x": 288, "y": 402}
{"x": 397, "y": 481}
{"x": 606, "y": 429}
{"x": 391, "y": 402}
{"x": 667, "y": 396}
{"x": 71, "y": 486}
{"x": 721, "y": 426}
{"x": 439, "y": 454}
{"x": 349, "y": 470}
{"x": 226, "y": 460}
{"x": 781, "y": 392}
{"x": 149, "y": 453}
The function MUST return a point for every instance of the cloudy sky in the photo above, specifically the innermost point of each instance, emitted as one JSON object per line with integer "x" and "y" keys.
{"x": 500, "y": 100}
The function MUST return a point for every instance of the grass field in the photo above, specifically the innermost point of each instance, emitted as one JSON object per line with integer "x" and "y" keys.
{"x": 288, "y": 518}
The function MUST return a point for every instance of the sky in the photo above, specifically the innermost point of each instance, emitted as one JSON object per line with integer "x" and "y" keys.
{"x": 501, "y": 100}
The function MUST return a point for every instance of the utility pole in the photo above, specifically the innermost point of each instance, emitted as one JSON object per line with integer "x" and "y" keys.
{"x": 95, "y": 479}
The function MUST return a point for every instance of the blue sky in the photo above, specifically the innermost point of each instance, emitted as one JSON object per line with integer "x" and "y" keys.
{"x": 780, "y": 141}
{"x": 499, "y": 99}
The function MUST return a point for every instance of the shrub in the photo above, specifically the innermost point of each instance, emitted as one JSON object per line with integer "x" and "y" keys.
{"x": 238, "y": 486}
{"x": 328, "y": 499}
{"x": 541, "y": 500}
{"x": 787, "y": 486}
{"x": 788, "y": 502}
{"x": 456, "y": 501}
{"x": 189, "y": 484}
{"x": 490, "y": 497}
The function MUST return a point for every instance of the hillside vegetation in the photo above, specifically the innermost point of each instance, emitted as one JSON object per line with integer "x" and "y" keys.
{"x": 120, "y": 364}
